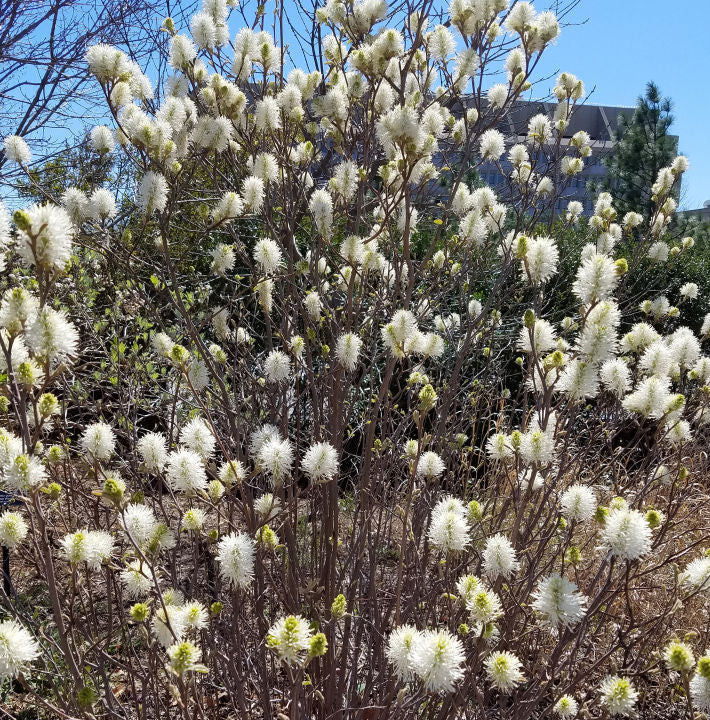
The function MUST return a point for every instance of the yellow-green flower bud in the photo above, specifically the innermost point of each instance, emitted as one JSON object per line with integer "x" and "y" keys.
{"x": 427, "y": 398}
{"x": 679, "y": 657}
{"x": 475, "y": 511}
{"x": 601, "y": 514}
{"x": 22, "y": 220}
{"x": 53, "y": 490}
{"x": 48, "y": 404}
{"x": 267, "y": 538}
{"x": 318, "y": 645}
{"x": 338, "y": 608}
{"x": 139, "y": 612}
{"x": 703, "y": 667}
{"x": 179, "y": 355}
{"x": 622, "y": 266}
{"x": 55, "y": 454}
{"x": 574, "y": 555}
{"x": 654, "y": 518}
{"x": 529, "y": 319}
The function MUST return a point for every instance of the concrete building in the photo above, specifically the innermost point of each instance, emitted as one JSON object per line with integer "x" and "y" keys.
{"x": 599, "y": 121}
{"x": 701, "y": 214}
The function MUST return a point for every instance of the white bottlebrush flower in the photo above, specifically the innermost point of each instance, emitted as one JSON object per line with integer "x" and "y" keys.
{"x": 679, "y": 657}
{"x": 492, "y": 145}
{"x": 268, "y": 255}
{"x": 437, "y": 658}
{"x": 650, "y": 397}
{"x": 203, "y": 30}
{"x": 266, "y": 167}
{"x": 290, "y": 637}
{"x": 400, "y": 644}
{"x": 578, "y": 503}
{"x": 499, "y": 558}
{"x": 540, "y": 262}
{"x": 223, "y": 259}
{"x": 268, "y": 506}
{"x": 194, "y": 519}
{"x": 267, "y": 115}
{"x": 169, "y": 624}
{"x": 430, "y": 465}
{"x": 538, "y": 446}
{"x": 17, "y": 649}
{"x": 402, "y": 328}
{"x": 504, "y": 671}
{"x": 137, "y": 580}
{"x": 18, "y": 308}
{"x": 24, "y": 472}
{"x": 230, "y": 206}
{"x": 320, "y": 462}
{"x": 98, "y": 441}
{"x": 618, "y": 695}
{"x": 627, "y": 534}
{"x": 184, "y": 657}
{"x": 198, "y": 375}
{"x": 45, "y": 237}
{"x": 684, "y": 347}
{"x": 559, "y": 601}
{"x": 152, "y": 193}
{"x": 449, "y": 529}
{"x": 253, "y": 193}
{"x": 689, "y": 291}
{"x": 276, "y": 458}
{"x": 543, "y": 337}
{"x": 17, "y": 150}
{"x": 182, "y": 52}
{"x": 697, "y": 573}
{"x": 440, "y": 42}
{"x": 566, "y": 707}
{"x": 615, "y": 377}
{"x": 235, "y": 555}
{"x": 140, "y": 522}
{"x": 197, "y": 436}
{"x": 76, "y": 204}
{"x": 232, "y": 472}
{"x": 597, "y": 278}
{"x": 260, "y": 436}
{"x": 579, "y": 380}
{"x": 52, "y": 336}
{"x": 101, "y": 204}
{"x": 498, "y": 447}
{"x": 10, "y": 448}
{"x": 277, "y": 366}
{"x": 153, "y": 450}
{"x": 321, "y": 207}
{"x": 313, "y": 305}
{"x": 484, "y": 605}
{"x": 466, "y": 587}
{"x": 13, "y": 529}
{"x": 658, "y": 252}
{"x": 102, "y": 139}
{"x": 185, "y": 471}
{"x": 92, "y": 547}
{"x": 597, "y": 341}
{"x": 347, "y": 350}
{"x": 195, "y": 614}
{"x": 700, "y": 685}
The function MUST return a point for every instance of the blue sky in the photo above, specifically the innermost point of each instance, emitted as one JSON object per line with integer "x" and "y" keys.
{"x": 625, "y": 43}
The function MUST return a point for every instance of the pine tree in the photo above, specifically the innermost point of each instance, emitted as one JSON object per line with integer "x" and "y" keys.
{"x": 643, "y": 146}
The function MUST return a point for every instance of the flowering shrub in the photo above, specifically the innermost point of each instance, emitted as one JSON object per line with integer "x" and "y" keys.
{"x": 383, "y": 478}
